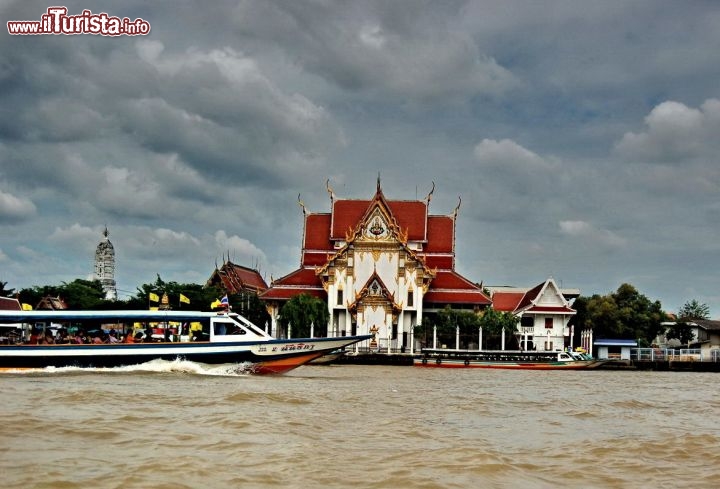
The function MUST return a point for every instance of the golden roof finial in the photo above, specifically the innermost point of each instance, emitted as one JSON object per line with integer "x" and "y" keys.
{"x": 429, "y": 196}
{"x": 457, "y": 209}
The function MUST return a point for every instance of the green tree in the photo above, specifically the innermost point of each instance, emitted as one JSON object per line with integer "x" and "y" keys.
{"x": 493, "y": 323}
{"x": 249, "y": 305}
{"x": 681, "y": 331}
{"x": 303, "y": 310}
{"x": 4, "y": 292}
{"x": 448, "y": 320}
{"x": 83, "y": 294}
{"x": 78, "y": 295}
{"x": 623, "y": 314}
{"x": 200, "y": 296}
{"x": 694, "y": 310}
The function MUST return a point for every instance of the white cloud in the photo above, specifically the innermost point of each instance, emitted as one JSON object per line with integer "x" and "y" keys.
{"x": 507, "y": 153}
{"x": 675, "y": 133}
{"x": 14, "y": 208}
{"x": 586, "y": 231}
{"x": 240, "y": 249}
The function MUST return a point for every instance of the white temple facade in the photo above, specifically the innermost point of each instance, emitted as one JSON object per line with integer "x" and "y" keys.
{"x": 105, "y": 266}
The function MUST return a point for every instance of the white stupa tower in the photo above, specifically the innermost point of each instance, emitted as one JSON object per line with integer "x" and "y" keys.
{"x": 105, "y": 266}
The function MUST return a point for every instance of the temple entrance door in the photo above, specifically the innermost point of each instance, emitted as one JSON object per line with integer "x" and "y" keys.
{"x": 376, "y": 324}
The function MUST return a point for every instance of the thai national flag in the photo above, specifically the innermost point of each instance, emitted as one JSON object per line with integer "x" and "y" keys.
{"x": 224, "y": 301}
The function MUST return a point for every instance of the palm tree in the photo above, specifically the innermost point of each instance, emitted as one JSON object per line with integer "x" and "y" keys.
{"x": 6, "y": 292}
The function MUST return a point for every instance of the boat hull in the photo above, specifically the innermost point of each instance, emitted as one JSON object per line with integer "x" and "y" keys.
{"x": 265, "y": 357}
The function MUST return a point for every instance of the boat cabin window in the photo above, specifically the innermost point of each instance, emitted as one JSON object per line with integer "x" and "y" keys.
{"x": 222, "y": 328}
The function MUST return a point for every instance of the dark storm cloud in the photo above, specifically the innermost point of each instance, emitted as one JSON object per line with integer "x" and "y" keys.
{"x": 404, "y": 50}
{"x": 581, "y": 136}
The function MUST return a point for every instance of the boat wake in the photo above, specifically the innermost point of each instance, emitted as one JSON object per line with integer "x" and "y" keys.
{"x": 177, "y": 366}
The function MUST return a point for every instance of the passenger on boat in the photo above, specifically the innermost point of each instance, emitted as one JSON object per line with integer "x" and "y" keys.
{"x": 129, "y": 338}
{"x": 62, "y": 337}
{"x": 98, "y": 339}
{"x": 112, "y": 337}
{"x": 148, "y": 336}
{"x": 78, "y": 338}
{"x": 34, "y": 337}
{"x": 48, "y": 339}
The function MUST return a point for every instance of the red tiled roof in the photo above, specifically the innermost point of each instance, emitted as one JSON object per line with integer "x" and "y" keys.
{"x": 295, "y": 283}
{"x": 301, "y": 276}
{"x": 450, "y": 279}
{"x": 442, "y": 262}
{"x": 451, "y": 287}
{"x": 410, "y": 216}
{"x": 317, "y": 232}
{"x": 9, "y": 304}
{"x": 554, "y": 309}
{"x": 455, "y": 297}
{"x": 506, "y": 301}
{"x": 236, "y": 278}
{"x": 315, "y": 259}
{"x": 441, "y": 230}
{"x": 530, "y": 296}
{"x": 345, "y": 216}
{"x": 286, "y": 293}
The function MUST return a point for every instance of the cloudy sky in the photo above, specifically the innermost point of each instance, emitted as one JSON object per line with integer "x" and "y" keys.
{"x": 583, "y": 137}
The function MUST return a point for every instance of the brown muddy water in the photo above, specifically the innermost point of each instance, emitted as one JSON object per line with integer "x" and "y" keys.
{"x": 183, "y": 425}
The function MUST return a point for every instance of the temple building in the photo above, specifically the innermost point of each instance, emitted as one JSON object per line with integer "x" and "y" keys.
{"x": 381, "y": 266}
{"x": 105, "y": 266}
{"x": 543, "y": 313}
{"x": 237, "y": 279}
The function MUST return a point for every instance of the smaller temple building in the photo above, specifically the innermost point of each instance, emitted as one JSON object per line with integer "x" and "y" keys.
{"x": 237, "y": 279}
{"x": 543, "y": 313}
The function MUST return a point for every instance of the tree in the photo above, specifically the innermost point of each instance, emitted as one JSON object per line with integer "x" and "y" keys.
{"x": 6, "y": 292}
{"x": 200, "y": 297}
{"x": 448, "y": 320}
{"x": 303, "y": 310}
{"x": 494, "y": 322}
{"x": 681, "y": 331}
{"x": 694, "y": 310}
{"x": 78, "y": 295}
{"x": 623, "y": 314}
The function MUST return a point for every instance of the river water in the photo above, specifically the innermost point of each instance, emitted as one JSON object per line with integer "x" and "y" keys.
{"x": 182, "y": 425}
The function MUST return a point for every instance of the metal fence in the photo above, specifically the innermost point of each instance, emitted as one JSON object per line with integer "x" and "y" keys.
{"x": 674, "y": 355}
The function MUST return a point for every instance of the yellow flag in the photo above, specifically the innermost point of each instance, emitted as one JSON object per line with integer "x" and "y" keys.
{"x": 26, "y": 307}
{"x": 153, "y": 297}
{"x": 214, "y": 304}
{"x": 184, "y": 299}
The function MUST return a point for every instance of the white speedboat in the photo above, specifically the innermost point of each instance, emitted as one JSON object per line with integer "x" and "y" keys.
{"x": 220, "y": 338}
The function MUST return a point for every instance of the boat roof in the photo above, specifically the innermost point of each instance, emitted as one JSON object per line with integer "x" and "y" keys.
{"x": 112, "y": 315}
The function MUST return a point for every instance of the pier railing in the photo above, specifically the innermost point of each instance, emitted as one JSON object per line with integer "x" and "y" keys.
{"x": 672, "y": 355}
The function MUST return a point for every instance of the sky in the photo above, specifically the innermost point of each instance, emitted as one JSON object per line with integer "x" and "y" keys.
{"x": 581, "y": 138}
